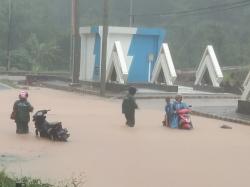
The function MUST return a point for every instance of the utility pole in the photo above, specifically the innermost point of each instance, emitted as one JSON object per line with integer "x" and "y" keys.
{"x": 75, "y": 43}
{"x": 9, "y": 37}
{"x": 104, "y": 48}
{"x": 131, "y": 17}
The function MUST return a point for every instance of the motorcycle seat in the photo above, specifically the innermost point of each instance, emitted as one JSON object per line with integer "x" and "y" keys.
{"x": 55, "y": 123}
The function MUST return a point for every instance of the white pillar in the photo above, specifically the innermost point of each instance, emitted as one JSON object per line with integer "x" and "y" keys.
{"x": 150, "y": 60}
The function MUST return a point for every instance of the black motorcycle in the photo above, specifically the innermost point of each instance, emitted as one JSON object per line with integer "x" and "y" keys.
{"x": 53, "y": 131}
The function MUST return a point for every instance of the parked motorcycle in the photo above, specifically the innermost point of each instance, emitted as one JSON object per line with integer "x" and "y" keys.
{"x": 51, "y": 130}
{"x": 185, "y": 119}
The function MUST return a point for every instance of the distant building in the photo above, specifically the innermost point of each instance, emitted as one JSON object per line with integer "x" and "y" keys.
{"x": 139, "y": 45}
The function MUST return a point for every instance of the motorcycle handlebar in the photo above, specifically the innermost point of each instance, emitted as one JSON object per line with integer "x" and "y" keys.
{"x": 42, "y": 111}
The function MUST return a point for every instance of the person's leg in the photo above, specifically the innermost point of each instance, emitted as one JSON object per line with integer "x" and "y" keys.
{"x": 180, "y": 122}
{"x": 174, "y": 121}
{"x": 127, "y": 118}
{"x": 131, "y": 119}
{"x": 18, "y": 128}
{"x": 25, "y": 128}
{"x": 165, "y": 121}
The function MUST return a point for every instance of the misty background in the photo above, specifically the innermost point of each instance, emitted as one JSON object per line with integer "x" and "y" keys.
{"x": 38, "y": 31}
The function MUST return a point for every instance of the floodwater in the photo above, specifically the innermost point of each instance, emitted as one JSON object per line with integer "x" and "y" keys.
{"x": 104, "y": 152}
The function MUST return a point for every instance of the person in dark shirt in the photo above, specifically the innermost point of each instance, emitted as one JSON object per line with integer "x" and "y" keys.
{"x": 21, "y": 113}
{"x": 128, "y": 107}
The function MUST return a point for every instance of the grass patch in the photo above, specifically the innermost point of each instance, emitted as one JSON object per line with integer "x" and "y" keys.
{"x": 7, "y": 181}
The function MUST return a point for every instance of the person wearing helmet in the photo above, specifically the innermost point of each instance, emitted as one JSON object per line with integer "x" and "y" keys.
{"x": 21, "y": 113}
{"x": 128, "y": 107}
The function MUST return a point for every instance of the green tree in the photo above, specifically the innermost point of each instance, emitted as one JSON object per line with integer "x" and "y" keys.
{"x": 41, "y": 55}
{"x": 35, "y": 55}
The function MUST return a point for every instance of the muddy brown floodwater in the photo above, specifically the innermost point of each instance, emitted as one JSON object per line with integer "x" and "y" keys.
{"x": 109, "y": 154}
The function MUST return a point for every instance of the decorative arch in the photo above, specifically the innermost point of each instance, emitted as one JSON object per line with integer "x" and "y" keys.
{"x": 117, "y": 69}
{"x": 164, "y": 68}
{"x": 210, "y": 64}
{"x": 246, "y": 93}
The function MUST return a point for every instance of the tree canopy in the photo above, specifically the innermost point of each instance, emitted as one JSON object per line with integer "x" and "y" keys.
{"x": 38, "y": 32}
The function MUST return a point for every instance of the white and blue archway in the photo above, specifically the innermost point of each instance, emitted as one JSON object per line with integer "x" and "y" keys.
{"x": 137, "y": 44}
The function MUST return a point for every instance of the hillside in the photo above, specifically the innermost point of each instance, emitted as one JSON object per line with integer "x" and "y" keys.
{"x": 190, "y": 26}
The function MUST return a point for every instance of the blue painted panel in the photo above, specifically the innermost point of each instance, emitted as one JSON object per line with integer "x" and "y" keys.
{"x": 94, "y": 29}
{"x": 160, "y": 33}
{"x": 140, "y": 48}
{"x": 144, "y": 42}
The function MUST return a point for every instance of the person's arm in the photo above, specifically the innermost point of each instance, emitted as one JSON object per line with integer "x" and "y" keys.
{"x": 135, "y": 104}
{"x": 132, "y": 102}
{"x": 15, "y": 106}
{"x": 166, "y": 108}
{"x": 14, "y": 111}
{"x": 30, "y": 107}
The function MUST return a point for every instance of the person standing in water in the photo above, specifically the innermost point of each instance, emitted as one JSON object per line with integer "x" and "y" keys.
{"x": 21, "y": 113}
{"x": 128, "y": 107}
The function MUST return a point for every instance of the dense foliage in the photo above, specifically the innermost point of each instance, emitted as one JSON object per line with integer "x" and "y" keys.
{"x": 11, "y": 181}
{"x": 6, "y": 181}
{"x": 39, "y": 30}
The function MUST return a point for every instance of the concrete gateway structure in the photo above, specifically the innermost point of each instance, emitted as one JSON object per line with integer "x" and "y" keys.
{"x": 139, "y": 46}
{"x": 247, "y": 80}
{"x": 246, "y": 93}
{"x": 244, "y": 102}
{"x": 164, "y": 70}
{"x": 210, "y": 65}
{"x": 117, "y": 70}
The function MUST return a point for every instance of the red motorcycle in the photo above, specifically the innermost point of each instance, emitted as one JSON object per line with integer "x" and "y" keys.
{"x": 185, "y": 119}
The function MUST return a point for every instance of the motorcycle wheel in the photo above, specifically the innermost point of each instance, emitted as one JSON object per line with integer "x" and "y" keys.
{"x": 64, "y": 138}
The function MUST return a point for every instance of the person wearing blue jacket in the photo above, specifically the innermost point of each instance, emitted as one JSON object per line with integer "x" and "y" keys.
{"x": 177, "y": 105}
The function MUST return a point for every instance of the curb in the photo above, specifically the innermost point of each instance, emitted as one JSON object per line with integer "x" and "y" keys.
{"x": 146, "y": 96}
{"x": 189, "y": 97}
{"x": 71, "y": 89}
{"x": 5, "y": 85}
{"x": 214, "y": 116}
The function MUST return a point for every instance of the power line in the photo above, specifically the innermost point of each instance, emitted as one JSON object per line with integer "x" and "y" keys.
{"x": 209, "y": 9}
